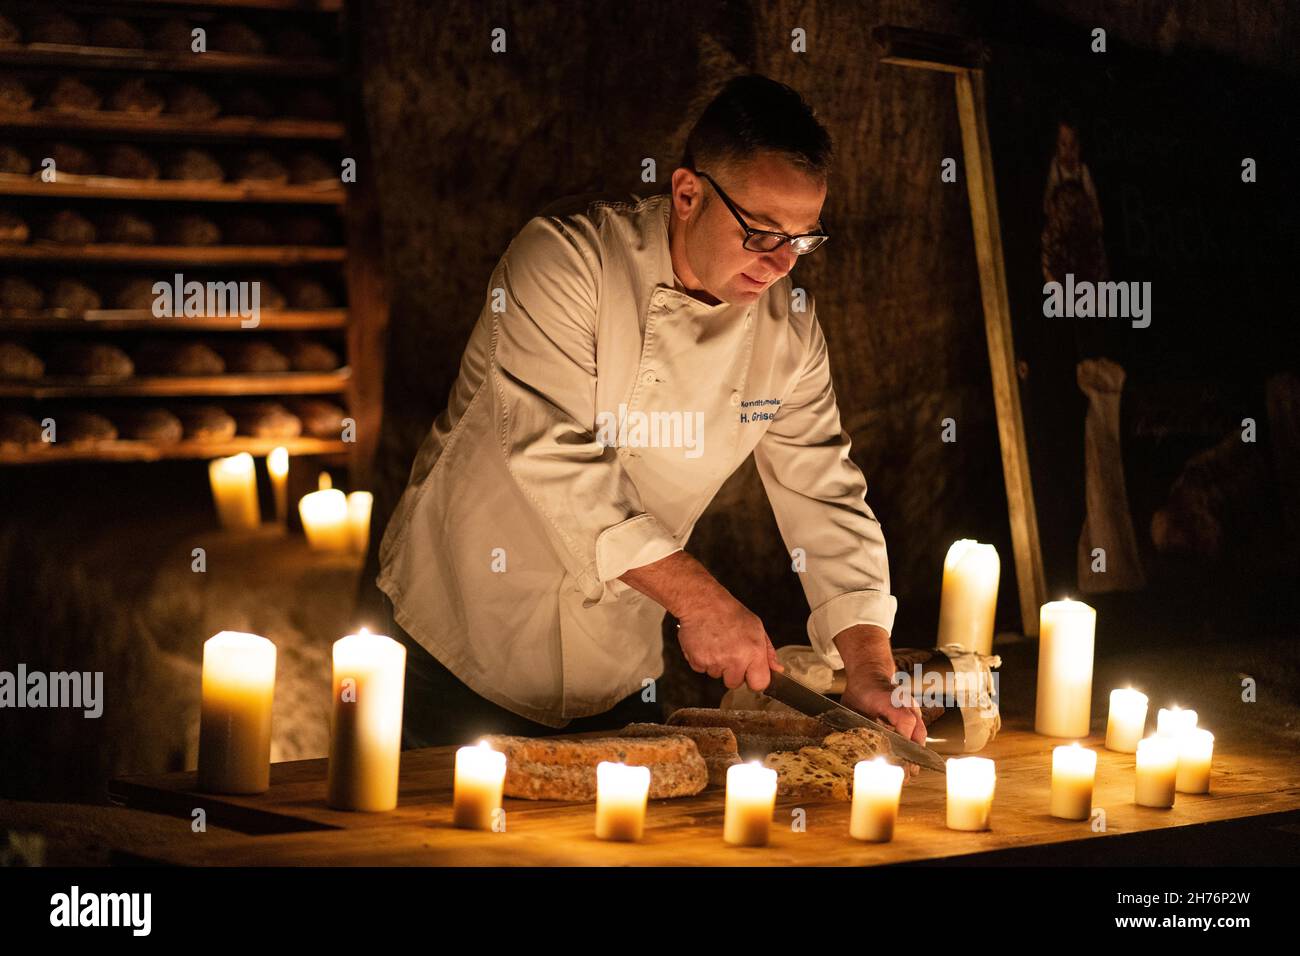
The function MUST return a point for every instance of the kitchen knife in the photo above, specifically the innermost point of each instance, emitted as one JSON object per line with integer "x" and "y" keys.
{"x": 807, "y": 701}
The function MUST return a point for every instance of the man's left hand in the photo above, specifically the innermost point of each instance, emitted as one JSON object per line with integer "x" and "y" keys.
{"x": 869, "y": 681}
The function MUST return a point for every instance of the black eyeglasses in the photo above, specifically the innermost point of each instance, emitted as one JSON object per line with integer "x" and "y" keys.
{"x": 766, "y": 240}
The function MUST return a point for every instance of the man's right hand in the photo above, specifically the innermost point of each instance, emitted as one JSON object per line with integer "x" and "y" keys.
{"x": 723, "y": 638}
{"x": 719, "y": 635}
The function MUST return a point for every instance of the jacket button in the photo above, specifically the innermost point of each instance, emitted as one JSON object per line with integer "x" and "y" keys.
{"x": 735, "y": 398}
{"x": 648, "y": 376}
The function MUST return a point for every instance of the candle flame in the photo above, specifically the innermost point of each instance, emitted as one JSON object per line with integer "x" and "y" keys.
{"x": 324, "y": 481}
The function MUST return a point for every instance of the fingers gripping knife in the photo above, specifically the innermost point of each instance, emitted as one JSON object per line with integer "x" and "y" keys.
{"x": 807, "y": 701}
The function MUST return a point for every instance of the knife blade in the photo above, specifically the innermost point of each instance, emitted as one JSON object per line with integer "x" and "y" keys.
{"x": 807, "y": 701}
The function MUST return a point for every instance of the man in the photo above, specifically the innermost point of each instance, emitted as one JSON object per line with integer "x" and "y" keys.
{"x": 630, "y": 356}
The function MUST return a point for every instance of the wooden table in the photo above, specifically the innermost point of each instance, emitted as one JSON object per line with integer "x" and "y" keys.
{"x": 291, "y": 824}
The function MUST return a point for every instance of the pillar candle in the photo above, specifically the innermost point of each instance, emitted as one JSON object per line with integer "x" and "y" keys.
{"x": 1157, "y": 771}
{"x": 970, "y": 792}
{"x": 324, "y": 516}
{"x": 235, "y": 716}
{"x": 1074, "y": 770}
{"x": 970, "y": 596}
{"x": 621, "y": 793}
{"x": 1195, "y": 754}
{"x": 234, "y": 490}
{"x": 277, "y": 466}
{"x": 751, "y": 796}
{"x": 877, "y": 785}
{"x": 359, "y": 504}
{"x": 1127, "y": 721}
{"x": 1066, "y": 631}
{"x": 366, "y": 722}
{"x": 480, "y": 778}
{"x": 1174, "y": 722}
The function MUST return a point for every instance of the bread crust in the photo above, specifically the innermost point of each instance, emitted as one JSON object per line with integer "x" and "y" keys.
{"x": 543, "y": 768}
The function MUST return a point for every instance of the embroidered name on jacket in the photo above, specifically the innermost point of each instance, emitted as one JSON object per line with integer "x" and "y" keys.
{"x": 759, "y": 410}
{"x": 676, "y": 429}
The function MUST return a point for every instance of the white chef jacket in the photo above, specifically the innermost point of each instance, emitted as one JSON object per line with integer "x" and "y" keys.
{"x": 525, "y": 506}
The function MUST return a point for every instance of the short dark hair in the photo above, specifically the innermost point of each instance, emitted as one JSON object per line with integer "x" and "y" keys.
{"x": 754, "y": 114}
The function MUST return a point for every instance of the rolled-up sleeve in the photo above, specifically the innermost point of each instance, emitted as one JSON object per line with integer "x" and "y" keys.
{"x": 819, "y": 498}
{"x": 543, "y": 307}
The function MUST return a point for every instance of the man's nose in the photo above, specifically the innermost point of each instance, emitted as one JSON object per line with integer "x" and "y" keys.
{"x": 781, "y": 261}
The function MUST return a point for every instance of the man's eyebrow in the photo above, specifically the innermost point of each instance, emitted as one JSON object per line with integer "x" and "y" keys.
{"x": 759, "y": 218}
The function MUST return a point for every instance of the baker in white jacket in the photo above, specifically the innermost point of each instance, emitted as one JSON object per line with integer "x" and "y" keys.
{"x": 628, "y": 358}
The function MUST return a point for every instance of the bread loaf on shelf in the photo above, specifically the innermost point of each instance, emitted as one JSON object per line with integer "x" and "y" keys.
{"x": 148, "y": 424}
{"x": 9, "y": 32}
{"x": 15, "y": 161}
{"x": 15, "y": 97}
{"x": 235, "y": 36}
{"x": 17, "y": 293}
{"x": 116, "y": 32}
{"x": 18, "y": 363}
{"x": 206, "y": 422}
{"x": 172, "y": 35}
{"x": 53, "y": 27}
{"x": 70, "y": 94}
{"x": 259, "y": 166}
{"x": 18, "y": 429}
{"x": 68, "y": 226}
{"x": 266, "y": 420}
{"x": 168, "y": 357}
{"x": 191, "y": 230}
{"x": 550, "y": 769}
{"x": 73, "y": 295}
{"x": 73, "y": 427}
{"x": 125, "y": 161}
{"x": 188, "y": 100}
{"x": 91, "y": 360}
{"x": 69, "y": 159}
{"x": 13, "y": 228}
{"x": 253, "y": 357}
{"x": 320, "y": 419}
{"x": 193, "y": 165}
{"x": 126, "y": 227}
{"x": 308, "y": 355}
{"x": 138, "y": 97}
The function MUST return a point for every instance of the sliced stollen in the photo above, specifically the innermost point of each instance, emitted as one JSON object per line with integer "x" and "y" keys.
{"x": 797, "y": 775}
{"x": 548, "y": 769}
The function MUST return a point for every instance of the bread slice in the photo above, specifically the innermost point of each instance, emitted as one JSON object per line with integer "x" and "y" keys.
{"x": 799, "y": 776}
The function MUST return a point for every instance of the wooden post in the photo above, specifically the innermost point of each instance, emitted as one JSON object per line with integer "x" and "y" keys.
{"x": 964, "y": 60}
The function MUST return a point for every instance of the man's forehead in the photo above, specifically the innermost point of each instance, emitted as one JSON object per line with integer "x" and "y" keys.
{"x": 776, "y": 195}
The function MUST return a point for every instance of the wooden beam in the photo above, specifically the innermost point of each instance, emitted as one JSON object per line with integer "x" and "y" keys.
{"x": 980, "y": 187}
{"x": 903, "y": 46}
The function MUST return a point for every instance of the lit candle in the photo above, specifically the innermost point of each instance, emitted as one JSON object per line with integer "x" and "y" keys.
{"x": 751, "y": 796}
{"x": 1174, "y": 722}
{"x": 277, "y": 466}
{"x": 1157, "y": 771}
{"x": 234, "y": 489}
{"x": 366, "y": 722}
{"x": 324, "y": 516}
{"x": 1127, "y": 721}
{"x": 1074, "y": 770}
{"x": 480, "y": 778}
{"x": 1195, "y": 754}
{"x": 621, "y": 793}
{"x": 235, "y": 716}
{"x": 877, "y": 785}
{"x": 359, "y": 503}
{"x": 970, "y": 596}
{"x": 1066, "y": 631}
{"x": 970, "y": 792}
